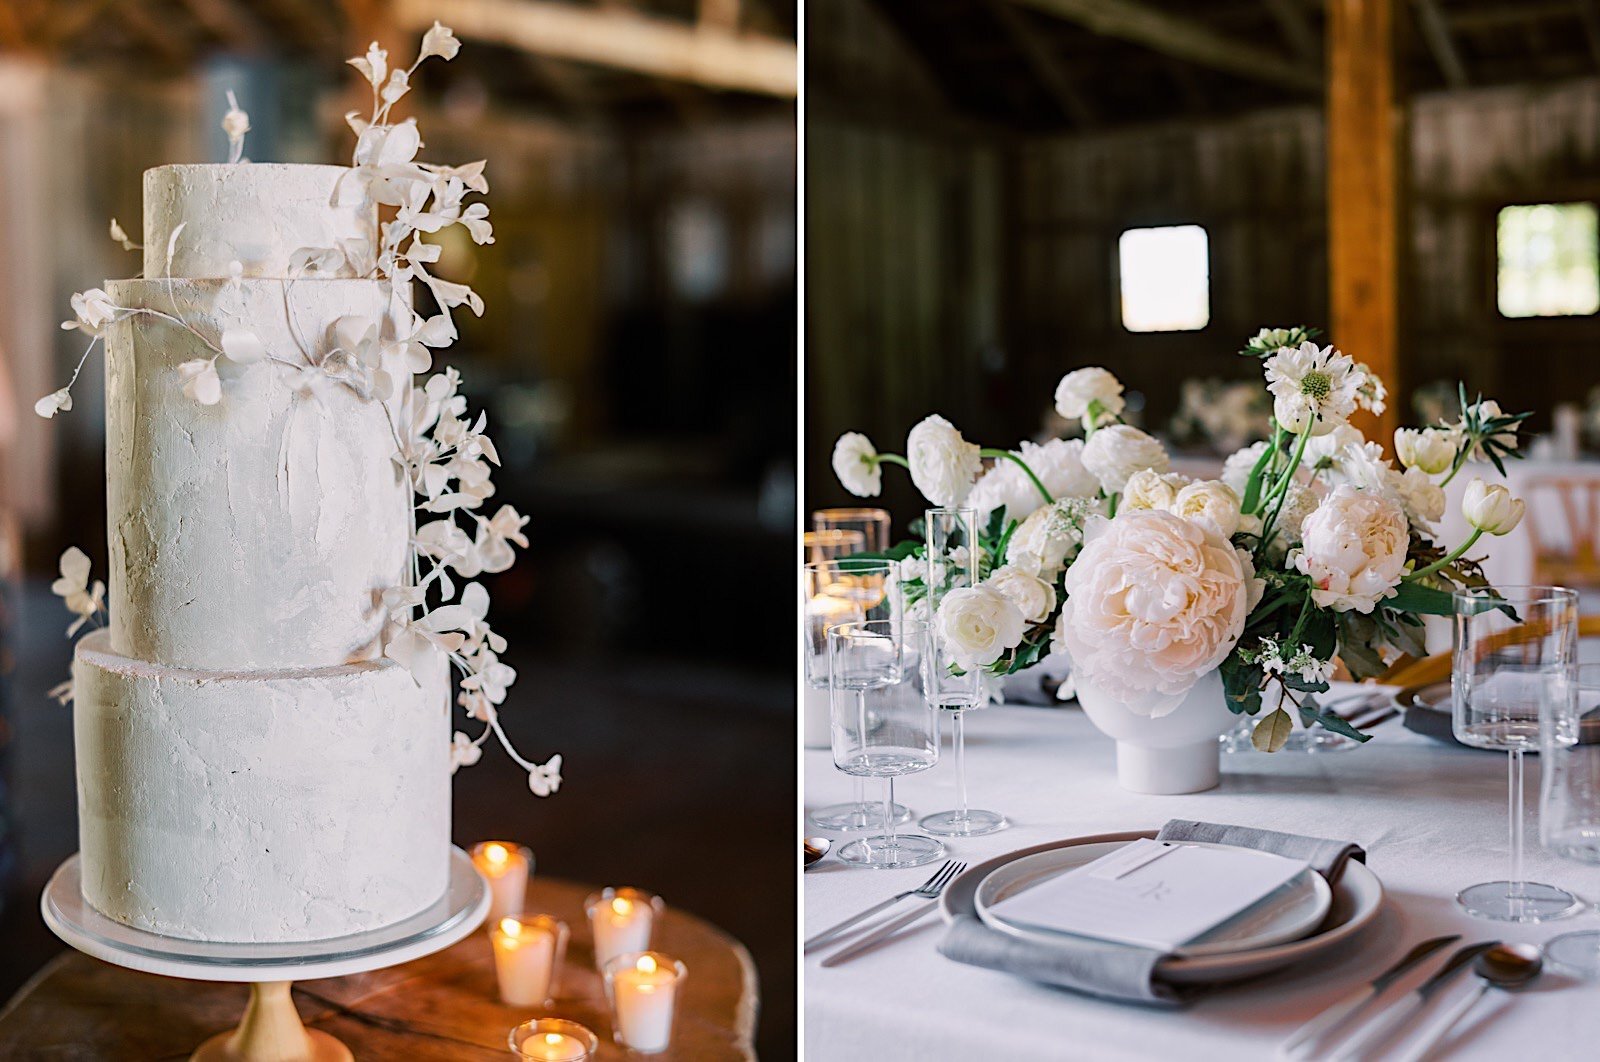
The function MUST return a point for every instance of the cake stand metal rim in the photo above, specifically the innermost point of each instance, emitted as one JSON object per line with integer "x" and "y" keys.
{"x": 458, "y": 923}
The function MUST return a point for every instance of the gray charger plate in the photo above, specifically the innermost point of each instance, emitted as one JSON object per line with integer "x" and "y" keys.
{"x": 1357, "y": 896}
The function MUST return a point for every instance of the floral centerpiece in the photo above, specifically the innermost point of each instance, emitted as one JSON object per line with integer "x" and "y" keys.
{"x": 1311, "y": 549}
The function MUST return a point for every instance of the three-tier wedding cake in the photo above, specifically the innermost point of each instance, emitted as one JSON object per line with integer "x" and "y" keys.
{"x": 263, "y": 724}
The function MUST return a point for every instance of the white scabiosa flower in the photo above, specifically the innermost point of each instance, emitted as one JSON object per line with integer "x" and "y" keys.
{"x": 1491, "y": 508}
{"x": 943, "y": 464}
{"x": 1085, "y": 391}
{"x": 1314, "y": 389}
{"x": 1354, "y": 549}
{"x": 1114, "y": 453}
{"x": 855, "y": 462}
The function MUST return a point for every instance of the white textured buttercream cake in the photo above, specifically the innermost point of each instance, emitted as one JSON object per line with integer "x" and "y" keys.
{"x": 263, "y": 720}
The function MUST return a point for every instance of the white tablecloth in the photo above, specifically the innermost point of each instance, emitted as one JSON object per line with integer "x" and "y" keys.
{"x": 1432, "y": 818}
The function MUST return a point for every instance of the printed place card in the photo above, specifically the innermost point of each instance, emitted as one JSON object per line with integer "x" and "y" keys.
{"x": 1155, "y": 894}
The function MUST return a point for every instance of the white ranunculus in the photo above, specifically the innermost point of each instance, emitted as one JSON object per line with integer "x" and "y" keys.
{"x": 1354, "y": 549}
{"x": 1082, "y": 388}
{"x": 1212, "y": 502}
{"x": 1116, "y": 452}
{"x": 978, "y": 625}
{"x": 1153, "y": 603}
{"x": 1313, "y": 388}
{"x": 1430, "y": 449}
{"x": 1049, "y": 536}
{"x": 1149, "y": 489}
{"x": 1490, "y": 507}
{"x": 943, "y": 464}
{"x": 855, "y": 462}
{"x": 1034, "y": 597}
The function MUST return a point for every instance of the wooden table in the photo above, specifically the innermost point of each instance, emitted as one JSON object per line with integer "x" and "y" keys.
{"x": 440, "y": 1007}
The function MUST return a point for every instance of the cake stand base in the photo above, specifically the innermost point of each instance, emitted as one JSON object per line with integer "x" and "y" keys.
{"x": 271, "y": 1030}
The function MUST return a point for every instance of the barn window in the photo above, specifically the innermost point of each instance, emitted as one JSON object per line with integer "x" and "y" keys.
{"x": 1548, "y": 260}
{"x": 1166, "y": 279}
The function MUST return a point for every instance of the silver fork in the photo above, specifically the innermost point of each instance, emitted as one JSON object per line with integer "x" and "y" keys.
{"x": 877, "y": 936}
{"x": 928, "y": 890}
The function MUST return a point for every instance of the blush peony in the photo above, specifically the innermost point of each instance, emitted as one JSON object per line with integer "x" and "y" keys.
{"x": 1354, "y": 549}
{"x": 1154, "y": 602}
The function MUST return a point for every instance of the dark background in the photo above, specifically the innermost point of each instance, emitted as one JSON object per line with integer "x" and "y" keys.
{"x": 637, "y": 364}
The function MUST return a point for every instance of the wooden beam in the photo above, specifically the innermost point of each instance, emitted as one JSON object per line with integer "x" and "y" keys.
{"x": 659, "y": 47}
{"x": 1182, "y": 38}
{"x": 1069, "y": 100}
{"x": 1365, "y": 134}
{"x": 1436, "y": 34}
{"x": 1296, "y": 28}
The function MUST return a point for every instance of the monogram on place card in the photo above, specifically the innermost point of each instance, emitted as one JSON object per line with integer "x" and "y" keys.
{"x": 1154, "y": 894}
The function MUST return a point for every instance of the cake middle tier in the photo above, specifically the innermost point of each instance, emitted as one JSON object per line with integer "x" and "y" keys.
{"x": 258, "y": 532}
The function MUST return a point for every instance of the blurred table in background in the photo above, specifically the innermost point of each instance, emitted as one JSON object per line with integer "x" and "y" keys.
{"x": 440, "y": 1007}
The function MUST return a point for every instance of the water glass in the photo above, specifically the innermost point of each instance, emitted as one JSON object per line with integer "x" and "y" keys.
{"x": 1515, "y": 648}
{"x": 1569, "y": 806}
{"x": 883, "y": 726}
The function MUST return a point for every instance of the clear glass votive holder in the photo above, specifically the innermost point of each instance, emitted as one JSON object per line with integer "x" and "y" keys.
{"x": 642, "y": 988}
{"x": 621, "y": 921}
{"x": 528, "y": 952}
{"x": 506, "y": 866}
{"x": 553, "y": 1040}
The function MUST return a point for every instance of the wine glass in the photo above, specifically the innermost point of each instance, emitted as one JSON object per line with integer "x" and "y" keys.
{"x": 952, "y": 563}
{"x": 1514, "y": 651}
{"x": 883, "y": 727}
{"x": 1569, "y": 806}
{"x": 845, "y": 590}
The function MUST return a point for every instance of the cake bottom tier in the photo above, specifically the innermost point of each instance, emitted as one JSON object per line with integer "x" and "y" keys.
{"x": 260, "y": 806}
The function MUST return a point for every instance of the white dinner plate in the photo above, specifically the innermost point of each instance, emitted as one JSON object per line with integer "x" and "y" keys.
{"x": 1287, "y": 913}
{"x": 1357, "y": 896}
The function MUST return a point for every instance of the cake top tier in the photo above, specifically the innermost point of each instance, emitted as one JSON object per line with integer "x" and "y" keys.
{"x": 256, "y": 214}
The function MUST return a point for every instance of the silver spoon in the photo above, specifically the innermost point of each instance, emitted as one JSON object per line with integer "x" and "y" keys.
{"x": 815, "y": 848}
{"x": 1502, "y": 966}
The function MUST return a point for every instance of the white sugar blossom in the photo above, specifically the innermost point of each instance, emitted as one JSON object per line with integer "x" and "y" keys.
{"x": 1114, "y": 453}
{"x": 464, "y": 752}
{"x": 53, "y": 403}
{"x": 855, "y": 462}
{"x": 546, "y": 778}
{"x": 1490, "y": 507}
{"x": 1433, "y": 450}
{"x": 83, "y": 598}
{"x": 1089, "y": 395}
{"x": 1354, "y": 549}
{"x": 93, "y": 310}
{"x": 1314, "y": 388}
{"x": 200, "y": 380}
{"x": 943, "y": 464}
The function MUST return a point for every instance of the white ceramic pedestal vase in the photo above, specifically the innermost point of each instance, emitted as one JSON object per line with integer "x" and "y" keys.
{"x": 1165, "y": 754}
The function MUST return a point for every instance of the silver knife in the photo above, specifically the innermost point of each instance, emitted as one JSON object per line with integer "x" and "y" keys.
{"x": 1391, "y": 1017}
{"x": 1358, "y": 999}
{"x": 871, "y": 940}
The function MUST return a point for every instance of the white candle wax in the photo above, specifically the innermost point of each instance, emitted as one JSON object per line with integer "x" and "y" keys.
{"x": 505, "y": 866}
{"x": 524, "y": 958}
{"x": 620, "y": 925}
{"x": 554, "y": 1047}
{"x": 645, "y": 994}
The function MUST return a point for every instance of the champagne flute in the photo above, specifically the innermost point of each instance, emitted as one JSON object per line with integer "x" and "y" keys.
{"x": 1514, "y": 651}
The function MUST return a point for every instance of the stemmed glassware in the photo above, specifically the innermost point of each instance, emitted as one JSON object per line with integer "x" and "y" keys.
{"x": 1515, "y": 648}
{"x": 883, "y": 727}
{"x": 952, "y": 563}
{"x": 1569, "y": 806}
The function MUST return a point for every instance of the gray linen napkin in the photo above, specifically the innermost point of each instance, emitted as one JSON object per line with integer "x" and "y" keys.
{"x": 1122, "y": 972}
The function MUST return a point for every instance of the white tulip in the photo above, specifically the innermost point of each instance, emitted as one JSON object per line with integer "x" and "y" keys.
{"x": 1491, "y": 508}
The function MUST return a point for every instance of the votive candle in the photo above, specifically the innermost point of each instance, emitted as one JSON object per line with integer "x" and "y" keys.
{"x": 643, "y": 987}
{"x": 525, "y": 957}
{"x": 506, "y": 867}
{"x": 621, "y": 921}
{"x": 553, "y": 1040}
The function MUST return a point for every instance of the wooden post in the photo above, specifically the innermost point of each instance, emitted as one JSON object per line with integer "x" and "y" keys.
{"x": 1366, "y": 128}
